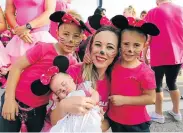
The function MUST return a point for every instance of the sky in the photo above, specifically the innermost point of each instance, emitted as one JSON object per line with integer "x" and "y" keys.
{"x": 113, "y": 7}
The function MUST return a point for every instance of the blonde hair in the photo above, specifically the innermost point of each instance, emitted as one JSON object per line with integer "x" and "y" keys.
{"x": 75, "y": 14}
{"x": 89, "y": 72}
{"x": 131, "y": 9}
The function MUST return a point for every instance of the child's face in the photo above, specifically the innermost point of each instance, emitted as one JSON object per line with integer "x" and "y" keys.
{"x": 127, "y": 13}
{"x": 143, "y": 15}
{"x": 69, "y": 37}
{"x": 104, "y": 49}
{"x": 62, "y": 84}
{"x": 132, "y": 43}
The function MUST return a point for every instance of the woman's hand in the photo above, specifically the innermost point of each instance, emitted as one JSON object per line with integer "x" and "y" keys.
{"x": 10, "y": 109}
{"x": 77, "y": 105}
{"x": 24, "y": 34}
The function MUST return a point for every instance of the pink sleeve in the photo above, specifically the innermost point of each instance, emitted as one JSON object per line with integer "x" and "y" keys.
{"x": 147, "y": 18}
{"x": 148, "y": 80}
{"x": 75, "y": 72}
{"x": 72, "y": 60}
{"x": 34, "y": 54}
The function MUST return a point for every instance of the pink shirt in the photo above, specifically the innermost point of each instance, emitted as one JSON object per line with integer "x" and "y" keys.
{"x": 167, "y": 48}
{"x": 61, "y": 5}
{"x": 102, "y": 85}
{"x": 40, "y": 57}
{"x": 130, "y": 82}
{"x": 28, "y": 10}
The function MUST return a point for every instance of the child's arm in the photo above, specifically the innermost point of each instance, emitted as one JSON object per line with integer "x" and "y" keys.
{"x": 12, "y": 82}
{"x": 148, "y": 97}
{"x": 10, "y": 107}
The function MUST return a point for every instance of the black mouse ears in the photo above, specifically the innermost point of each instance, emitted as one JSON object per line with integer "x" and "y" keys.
{"x": 122, "y": 23}
{"x": 41, "y": 86}
{"x": 63, "y": 17}
{"x": 96, "y": 21}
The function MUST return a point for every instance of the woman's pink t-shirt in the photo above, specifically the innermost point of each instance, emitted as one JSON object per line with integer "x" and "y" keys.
{"x": 102, "y": 85}
{"x": 40, "y": 57}
{"x": 167, "y": 48}
{"x": 28, "y": 10}
{"x": 130, "y": 82}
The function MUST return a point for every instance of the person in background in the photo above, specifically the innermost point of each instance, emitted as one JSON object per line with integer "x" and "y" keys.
{"x": 30, "y": 22}
{"x": 166, "y": 54}
{"x": 129, "y": 12}
{"x": 143, "y": 14}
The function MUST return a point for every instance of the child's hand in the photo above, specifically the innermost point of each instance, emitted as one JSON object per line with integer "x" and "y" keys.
{"x": 117, "y": 100}
{"x": 87, "y": 58}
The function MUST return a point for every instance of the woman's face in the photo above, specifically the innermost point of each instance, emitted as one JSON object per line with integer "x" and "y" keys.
{"x": 104, "y": 49}
{"x": 69, "y": 37}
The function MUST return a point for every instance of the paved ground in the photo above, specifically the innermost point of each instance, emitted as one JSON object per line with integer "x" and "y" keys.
{"x": 170, "y": 125}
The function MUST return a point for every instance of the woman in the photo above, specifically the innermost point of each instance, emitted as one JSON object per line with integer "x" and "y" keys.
{"x": 30, "y": 21}
{"x": 104, "y": 52}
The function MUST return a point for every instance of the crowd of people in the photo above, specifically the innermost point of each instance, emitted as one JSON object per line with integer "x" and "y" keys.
{"x": 96, "y": 75}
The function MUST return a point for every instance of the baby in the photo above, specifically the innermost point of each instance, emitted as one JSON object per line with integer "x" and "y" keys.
{"x": 63, "y": 86}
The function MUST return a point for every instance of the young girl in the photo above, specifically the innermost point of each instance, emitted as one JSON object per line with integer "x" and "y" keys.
{"x": 129, "y": 12}
{"x": 132, "y": 82}
{"x": 18, "y": 100}
{"x": 63, "y": 86}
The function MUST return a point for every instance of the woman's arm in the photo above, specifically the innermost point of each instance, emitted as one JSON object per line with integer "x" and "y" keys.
{"x": 10, "y": 14}
{"x": 2, "y": 21}
{"x": 43, "y": 19}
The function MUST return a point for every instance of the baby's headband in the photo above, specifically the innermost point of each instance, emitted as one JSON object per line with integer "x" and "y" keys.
{"x": 41, "y": 86}
{"x": 63, "y": 17}
{"x": 122, "y": 23}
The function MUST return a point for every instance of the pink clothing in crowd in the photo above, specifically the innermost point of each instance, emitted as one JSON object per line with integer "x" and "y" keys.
{"x": 4, "y": 58}
{"x": 130, "y": 82}
{"x": 167, "y": 48}
{"x": 40, "y": 57}
{"x": 27, "y": 11}
{"x": 102, "y": 85}
{"x": 61, "y": 5}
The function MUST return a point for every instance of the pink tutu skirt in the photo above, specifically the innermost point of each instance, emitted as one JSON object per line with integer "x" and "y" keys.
{"x": 16, "y": 47}
{"x": 4, "y": 58}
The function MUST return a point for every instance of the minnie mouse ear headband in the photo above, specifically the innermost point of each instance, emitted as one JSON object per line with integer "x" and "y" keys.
{"x": 96, "y": 21}
{"x": 122, "y": 23}
{"x": 41, "y": 86}
{"x": 63, "y": 17}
